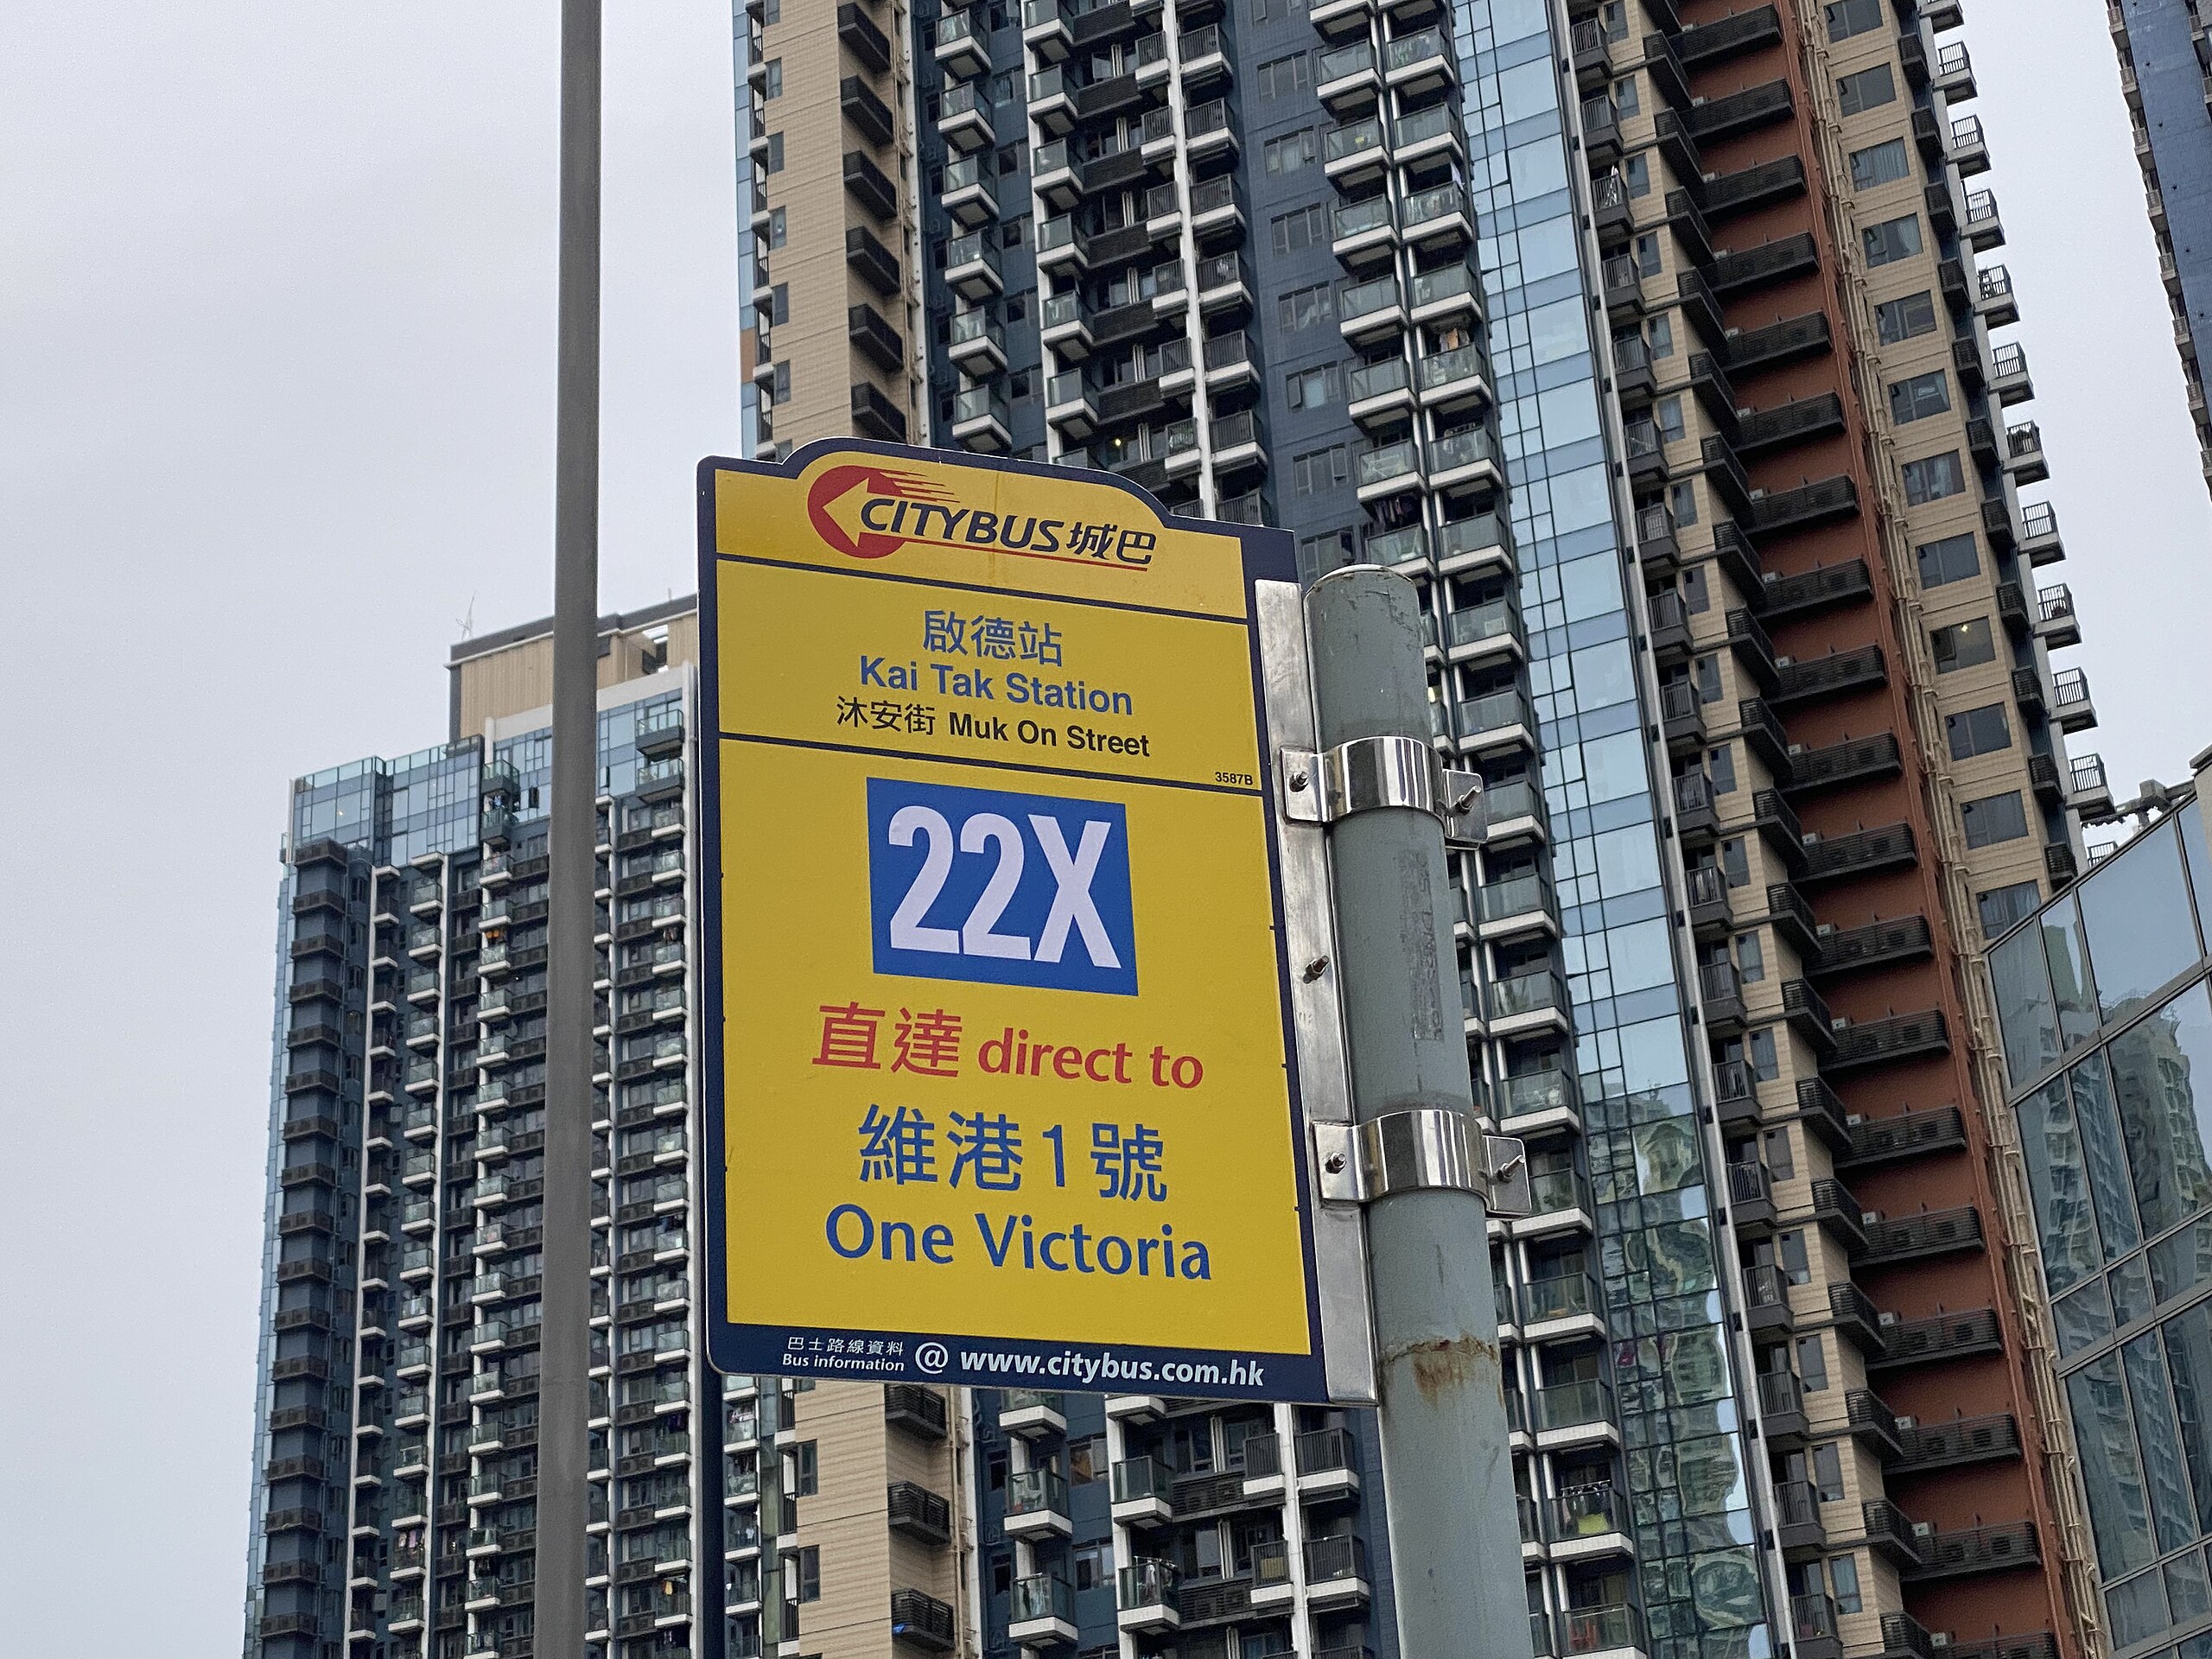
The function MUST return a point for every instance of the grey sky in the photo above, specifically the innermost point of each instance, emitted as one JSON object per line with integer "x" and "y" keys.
{"x": 276, "y": 328}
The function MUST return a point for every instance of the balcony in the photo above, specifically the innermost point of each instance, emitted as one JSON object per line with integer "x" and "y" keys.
{"x": 919, "y": 1513}
{"x": 921, "y": 1620}
{"x": 1336, "y": 1573}
{"x": 1447, "y": 292}
{"x": 1944, "y": 1336}
{"x": 874, "y": 339}
{"x": 1042, "y": 1610}
{"x": 1325, "y": 1464}
{"x": 1681, "y": 715}
{"x": 961, "y": 45}
{"x": 1797, "y": 1529}
{"x": 1588, "y": 1632}
{"x": 1906, "y": 1135}
{"x": 1924, "y": 1446}
{"x": 1031, "y": 1412}
{"x": 963, "y": 118}
{"x": 1562, "y": 1307}
{"x": 1573, "y": 1414}
{"x": 1939, "y": 1232}
{"x": 977, "y": 343}
{"x": 981, "y": 419}
{"x": 2087, "y": 793}
{"x": 2070, "y": 703}
{"x": 1418, "y": 62}
{"x": 1528, "y": 1002}
{"x": 875, "y": 416}
{"x": 1720, "y": 995}
{"x": 1782, "y": 1409}
{"x": 1496, "y": 719}
{"x": 1141, "y": 1495}
{"x": 1766, "y": 1301}
{"x": 1533, "y": 1102}
{"x": 1862, "y": 852}
{"x": 1147, "y": 1597}
{"x": 1037, "y": 1504}
{"x": 1956, "y": 1553}
{"x": 1347, "y": 79}
{"x": 1899, "y": 1037}
{"x": 919, "y": 1411}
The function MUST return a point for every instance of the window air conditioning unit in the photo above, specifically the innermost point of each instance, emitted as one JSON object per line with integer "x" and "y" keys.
{"x": 1854, "y": 1117}
{"x": 1923, "y": 1529}
{"x": 1908, "y": 1422}
{"x": 1784, "y": 662}
{"x": 1795, "y": 748}
{"x": 1939, "y": 1638}
{"x": 1839, "y": 1023}
{"x": 1822, "y": 929}
{"x": 1870, "y": 1217}
{"x": 1884, "y": 1319}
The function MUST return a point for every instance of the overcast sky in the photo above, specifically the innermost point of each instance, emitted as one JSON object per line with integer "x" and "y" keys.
{"x": 275, "y": 413}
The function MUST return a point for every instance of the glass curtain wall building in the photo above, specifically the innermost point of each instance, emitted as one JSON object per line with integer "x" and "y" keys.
{"x": 396, "y": 1447}
{"x": 2107, "y": 1011}
{"x": 2165, "y": 63}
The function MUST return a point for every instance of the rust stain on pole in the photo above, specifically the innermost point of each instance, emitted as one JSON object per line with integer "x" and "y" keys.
{"x": 1445, "y": 1364}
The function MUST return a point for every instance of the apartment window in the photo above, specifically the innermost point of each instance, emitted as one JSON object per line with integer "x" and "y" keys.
{"x": 776, "y": 227}
{"x": 1978, "y": 731}
{"x": 780, "y": 305}
{"x": 1093, "y": 1566}
{"x": 1681, "y": 501}
{"x": 1720, "y": 767}
{"x": 1291, "y": 153}
{"x": 1843, "y": 1577}
{"x": 772, "y": 12}
{"x": 1828, "y": 1462}
{"x": 1626, "y": 100}
{"x": 1878, "y": 164}
{"x": 1637, "y": 171}
{"x": 1953, "y": 559}
{"x": 1962, "y": 644}
{"x": 1286, "y": 77}
{"x": 1659, "y": 336}
{"x": 1735, "y": 864}
{"x": 1304, "y": 307}
{"x": 1933, "y": 479}
{"x": 1922, "y": 396}
{"x": 1751, "y": 958}
{"x": 810, "y": 1573}
{"x": 2002, "y": 906}
{"x": 1850, "y": 17}
{"x": 783, "y": 383}
{"x": 1312, "y": 388}
{"x": 1647, "y": 254}
{"x": 1867, "y": 90}
{"x": 1319, "y": 554}
{"x": 1891, "y": 240}
{"x": 806, "y": 1469}
{"x": 1697, "y": 594}
{"x": 1897, "y": 320}
{"x": 1781, "y": 1157}
{"x": 1667, "y": 415}
{"x": 1797, "y": 1262}
{"x": 1813, "y": 1371}
{"x": 1293, "y": 231}
{"x": 1015, "y": 233}
{"x": 773, "y": 79}
{"x": 1994, "y": 818}
{"x": 1017, "y": 308}
{"x": 775, "y": 162}
{"x": 1320, "y": 469}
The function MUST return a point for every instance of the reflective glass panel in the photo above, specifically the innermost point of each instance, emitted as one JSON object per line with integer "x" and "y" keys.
{"x": 2158, "y": 1073}
{"x": 2136, "y": 911}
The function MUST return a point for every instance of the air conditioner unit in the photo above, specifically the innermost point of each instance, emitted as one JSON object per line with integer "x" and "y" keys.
{"x": 1939, "y": 1638}
{"x": 1923, "y": 1529}
{"x": 1908, "y": 1422}
{"x": 1870, "y": 1217}
{"x": 1854, "y": 1117}
{"x": 1821, "y": 930}
{"x": 1795, "y": 748}
{"x": 1784, "y": 662}
{"x": 1884, "y": 1319}
{"x": 1839, "y": 1023}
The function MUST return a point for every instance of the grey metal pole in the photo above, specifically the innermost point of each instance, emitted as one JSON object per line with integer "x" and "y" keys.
{"x": 1448, "y": 1470}
{"x": 564, "y": 1384}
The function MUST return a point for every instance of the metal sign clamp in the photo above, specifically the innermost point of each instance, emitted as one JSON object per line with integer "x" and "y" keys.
{"x": 1424, "y": 1147}
{"x": 1372, "y": 771}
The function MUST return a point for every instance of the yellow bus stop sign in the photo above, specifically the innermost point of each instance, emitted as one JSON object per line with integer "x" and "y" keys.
{"x": 1000, "y": 1083}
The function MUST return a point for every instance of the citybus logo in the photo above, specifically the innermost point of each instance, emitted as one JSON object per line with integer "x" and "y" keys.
{"x": 866, "y": 511}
